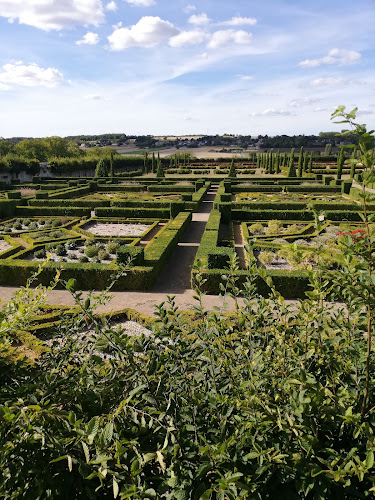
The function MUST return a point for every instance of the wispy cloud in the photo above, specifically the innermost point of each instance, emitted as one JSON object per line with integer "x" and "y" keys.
{"x": 273, "y": 112}
{"x": 339, "y": 57}
{"x": 240, "y": 21}
{"x": 141, "y": 3}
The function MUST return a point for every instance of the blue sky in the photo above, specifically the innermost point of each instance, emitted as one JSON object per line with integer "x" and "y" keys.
{"x": 183, "y": 66}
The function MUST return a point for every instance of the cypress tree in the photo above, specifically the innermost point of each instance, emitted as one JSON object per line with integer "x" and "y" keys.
{"x": 340, "y": 164}
{"x": 277, "y": 163}
{"x": 292, "y": 168}
{"x": 111, "y": 167}
{"x": 159, "y": 171}
{"x": 271, "y": 163}
{"x": 300, "y": 162}
{"x": 153, "y": 165}
{"x": 310, "y": 164}
{"x": 232, "y": 170}
{"x": 353, "y": 165}
{"x": 305, "y": 162}
{"x": 284, "y": 160}
{"x": 145, "y": 163}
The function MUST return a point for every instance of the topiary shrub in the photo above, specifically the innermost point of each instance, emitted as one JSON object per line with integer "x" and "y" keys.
{"x": 60, "y": 250}
{"x": 92, "y": 251}
{"x": 266, "y": 258}
{"x": 40, "y": 254}
{"x": 111, "y": 247}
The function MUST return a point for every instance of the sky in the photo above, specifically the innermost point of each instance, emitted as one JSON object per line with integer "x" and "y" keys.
{"x": 174, "y": 67}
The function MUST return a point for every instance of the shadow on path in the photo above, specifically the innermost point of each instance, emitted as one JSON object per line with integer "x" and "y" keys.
{"x": 176, "y": 276}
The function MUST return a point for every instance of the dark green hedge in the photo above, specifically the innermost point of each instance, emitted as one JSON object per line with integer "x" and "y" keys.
{"x": 290, "y": 284}
{"x": 89, "y": 276}
{"x": 295, "y": 215}
{"x": 52, "y": 211}
{"x": 125, "y": 213}
{"x": 92, "y": 204}
{"x": 126, "y": 253}
{"x": 313, "y": 189}
{"x": 13, "y": 195}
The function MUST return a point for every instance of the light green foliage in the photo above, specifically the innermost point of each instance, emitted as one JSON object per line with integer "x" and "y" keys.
{"x": 265, "y": 258}
{"x": 274, "y": 227}
{"x": 92, "y": 250}
{"x": 256, "y": 228}
{"x": 291, "y": 229}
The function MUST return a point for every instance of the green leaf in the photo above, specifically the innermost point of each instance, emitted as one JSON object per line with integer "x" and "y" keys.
{"x": 161, "y": 460}
{"x": 71, "y": 285}
{"x": 107, "y": 434}
{"x": 370, "y": 460}
{"x": 86, "y": 451}
{"x": 115, "y": 488}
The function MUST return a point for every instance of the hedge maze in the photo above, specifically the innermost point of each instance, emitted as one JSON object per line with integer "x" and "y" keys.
{"x": 90, "y": 228}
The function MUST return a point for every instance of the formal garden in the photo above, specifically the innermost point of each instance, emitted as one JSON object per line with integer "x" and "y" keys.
{"x": 272, "y": 400}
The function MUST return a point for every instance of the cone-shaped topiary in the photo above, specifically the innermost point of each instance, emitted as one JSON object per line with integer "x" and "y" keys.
{"x": 292, "y": 169}
{"x": 101, "y": 169}
{"x": 160, "y": 170}
{"x": 232, "y": 170}
{"x": 300, "y": 162}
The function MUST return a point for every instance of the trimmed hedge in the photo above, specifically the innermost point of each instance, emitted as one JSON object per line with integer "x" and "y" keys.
{"x": 125, "y": 213}
{"x": 295, "y": 215}
{"x": 7, "y": 208}
{"x": 92, "y": 204}
{"x": 291, "y": 284}
{"x": 89, "y": 276}
{"x": 128, "y": 253}
{"x": 13, "y": 195}
{"x": 52, "y": 211}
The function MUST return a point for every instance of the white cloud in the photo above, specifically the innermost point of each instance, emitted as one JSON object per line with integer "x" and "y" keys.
{"x": 190, "y": 8}
{"x": 325, "y": 110}
{"x": 240, "y": 21}
{"x": 199, "y": 19}
{"x": 364, "y": 112}
{"x": 111, "y": 6}
{"x": 245, "y": 77}
{"x": 93, "y": 97}
{"x": 141, "y": 3}
{"x": 53, "y": 14}
{"x": 29, "y": 76}
{"x": 222, "y": 37}
{"x": 273, "y": 112}
{"x": 327, "y": 82}
{"x": 149, "y": 31}
{"x": 89, "y": 39}
{"x": 340, "y": 57}
{"x": 188, "y": 38}
{"x": 303, "y": 101}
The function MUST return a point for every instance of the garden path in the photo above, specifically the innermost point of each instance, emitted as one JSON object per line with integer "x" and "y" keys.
{"x": 176, "y": 275}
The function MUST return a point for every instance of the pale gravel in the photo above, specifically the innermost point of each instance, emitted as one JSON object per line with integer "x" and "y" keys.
{"x": 110, "y": 229}
{"x": 4, "y": 245}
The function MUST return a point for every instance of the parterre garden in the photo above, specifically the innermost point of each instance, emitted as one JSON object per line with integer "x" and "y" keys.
{"x": 90, "y": 228}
